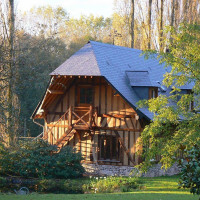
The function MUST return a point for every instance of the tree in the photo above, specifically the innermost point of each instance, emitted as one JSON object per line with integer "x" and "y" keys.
{"x": 37, "y": 56}
{"x": 190, "y": 171}
{"x": 11, "y": 24}
{"x": 132, "y": 22}
{"x": 9, "y": 100}
{"x": 161, "y": 25}
{"x": 149, "y": 23}
{"x": 175, "y": 126}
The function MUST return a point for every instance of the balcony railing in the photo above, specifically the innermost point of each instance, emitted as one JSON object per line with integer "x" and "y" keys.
{"x": 80, "y": 118}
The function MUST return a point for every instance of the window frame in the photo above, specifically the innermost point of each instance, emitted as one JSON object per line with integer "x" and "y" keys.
{"x": 151, "y": 89}
{"x": 79, "y": 95}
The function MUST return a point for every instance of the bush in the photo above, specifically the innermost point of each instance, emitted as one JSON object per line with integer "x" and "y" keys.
{"x": 70, "y": 186}
{"x": 60, "y": 186}
{"x": 190, "y": 171}
{"x": 3, "y": 184}
{"x": 112, "y": 184}
{"x": 39, "y": 159}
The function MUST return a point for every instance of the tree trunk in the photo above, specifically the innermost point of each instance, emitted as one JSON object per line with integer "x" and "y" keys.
{"x": 132, "y": 22}
{"x": 172, "y": 12}
{"x": 11, "y": 25}
{"x": 149, "y": 23}
{"x": 161, "y": 26}
{"x": 176, "y": 13}
{"x": 185, "y": 10}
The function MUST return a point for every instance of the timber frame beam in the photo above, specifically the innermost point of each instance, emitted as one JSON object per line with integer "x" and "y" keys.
{"x": 124, "y": 147}
{"x": 55, "y": 91}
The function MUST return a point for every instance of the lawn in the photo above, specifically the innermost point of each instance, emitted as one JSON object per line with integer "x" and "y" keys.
{"x": 159, "y": 188}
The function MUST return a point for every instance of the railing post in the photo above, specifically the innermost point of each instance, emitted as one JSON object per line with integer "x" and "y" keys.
{"x": 96, "y": 116}
{"x": 70, "y": 116}
{"x": 90, "y": 117}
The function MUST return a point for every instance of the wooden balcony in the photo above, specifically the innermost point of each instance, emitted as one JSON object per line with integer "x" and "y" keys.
{"x": 76, "y": 118}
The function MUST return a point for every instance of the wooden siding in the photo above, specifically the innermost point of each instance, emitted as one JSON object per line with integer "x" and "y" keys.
{"x": 108, "y": 104}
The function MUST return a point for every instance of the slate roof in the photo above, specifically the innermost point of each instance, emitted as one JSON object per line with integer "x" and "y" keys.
{"x": 119, "y": 66}
{"x": 82, "y": 63}
{"x": 112, "y": 62}
{"x": 140, "y": 79}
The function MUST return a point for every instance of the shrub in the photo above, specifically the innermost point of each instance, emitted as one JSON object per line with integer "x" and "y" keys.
{"x": 3, "y": 184}
{"x": 112, "y": 184}
{"x": 60, "y": 186}
{"x": 70, "y": 186}
{"x": 190, "y": 171}
{"x": 39, "y": 159}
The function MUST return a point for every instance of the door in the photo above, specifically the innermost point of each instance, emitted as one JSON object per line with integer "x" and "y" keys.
{"x": 85, "y": 99}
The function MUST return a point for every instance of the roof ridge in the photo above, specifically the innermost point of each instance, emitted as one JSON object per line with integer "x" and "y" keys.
{"x": 115, "y": 46}
{"x": 95, "y": 57}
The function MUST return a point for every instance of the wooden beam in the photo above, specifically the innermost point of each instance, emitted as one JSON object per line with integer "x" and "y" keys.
{"x": 62, "y": 97}
{"x": 55, "y": 91}
{"x": 108, "y": 121}
{"x": 117, "y": 129}
{"x": 117, "y": 116}
{"x": 124, "y": 147}
{"x": 105, "y": 99}
{"x": 128, "y": 146}
{"x": 52, "y": 97}
{"x": 99, "y": 111}
{"x": 58, "y": 125}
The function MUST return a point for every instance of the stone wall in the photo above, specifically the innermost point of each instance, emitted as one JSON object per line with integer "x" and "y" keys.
{"x": 107, "y": 170}
{"x": 157, "y": 171}
{"x": 111, "y": 170}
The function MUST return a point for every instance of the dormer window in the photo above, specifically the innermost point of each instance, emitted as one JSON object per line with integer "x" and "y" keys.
{"x": 153, "y": 92}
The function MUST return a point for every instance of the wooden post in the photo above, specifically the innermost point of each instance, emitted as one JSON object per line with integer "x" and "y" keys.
{"x": 70, "y": 116}
{"x": 90, "y": 117}
{"x": 124, "y": 147}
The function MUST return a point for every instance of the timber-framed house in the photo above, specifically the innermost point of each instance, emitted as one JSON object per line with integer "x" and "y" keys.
{"x": 91, "y": 103}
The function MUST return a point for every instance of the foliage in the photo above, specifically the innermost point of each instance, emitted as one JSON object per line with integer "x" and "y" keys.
{"x": 60, "y": 186}
{"x": 36, "y": 58}
{"x": 3, "y": 184}
{"x": 112, "y": 184}
{"x": 190, "y": 171}
{"x": 39, "y": 159}
{"x": 164, "y": 188}
{"x": 175, "y": 125}
{"x": 72, "y": 186}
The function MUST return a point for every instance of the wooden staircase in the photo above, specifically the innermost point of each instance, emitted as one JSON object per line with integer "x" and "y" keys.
{"x": 63, "y": 140}
{"x": 63, "y": 130}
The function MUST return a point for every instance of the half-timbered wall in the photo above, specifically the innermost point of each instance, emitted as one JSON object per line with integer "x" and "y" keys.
{"x": 110, "y": 108}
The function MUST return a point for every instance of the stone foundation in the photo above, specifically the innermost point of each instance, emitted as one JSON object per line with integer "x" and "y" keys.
{"x": 157, "y": 171}
{"x": 107, "y": 170}
{"x": 111, "y": 170}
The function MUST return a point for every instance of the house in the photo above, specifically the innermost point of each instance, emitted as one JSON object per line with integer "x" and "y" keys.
{"x": 91, "y": 105}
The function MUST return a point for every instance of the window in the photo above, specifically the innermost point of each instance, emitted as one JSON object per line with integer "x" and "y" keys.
{"x": 85, "y": 95}
{"x": 109, "y": 148}
{"x": 153, "y": 92}
{"x": 191, "y": 104}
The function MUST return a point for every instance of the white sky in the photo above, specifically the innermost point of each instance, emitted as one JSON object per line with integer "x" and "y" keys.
{"x": 74, "y": 7}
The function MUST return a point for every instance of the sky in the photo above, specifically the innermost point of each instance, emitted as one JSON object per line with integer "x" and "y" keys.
{"x": 74, "y": 7}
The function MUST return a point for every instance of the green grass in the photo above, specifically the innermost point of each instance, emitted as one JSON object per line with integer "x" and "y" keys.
{"x": 159, "y": 188}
